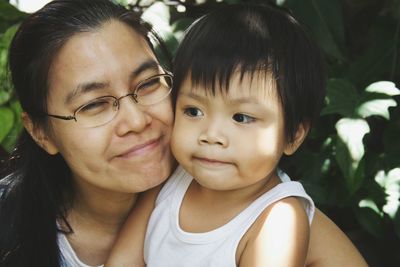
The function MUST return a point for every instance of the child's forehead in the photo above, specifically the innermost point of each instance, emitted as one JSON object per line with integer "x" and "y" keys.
{"x": 249, "y": 84}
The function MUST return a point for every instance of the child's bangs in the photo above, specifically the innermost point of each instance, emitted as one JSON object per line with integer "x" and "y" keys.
{"x": 216, "y": 75}
{"x": 214, "y": 51}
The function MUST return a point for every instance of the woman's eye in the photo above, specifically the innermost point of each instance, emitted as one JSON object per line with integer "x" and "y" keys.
{"x": 95, "y": 106}
{"x": 148, "y": 86}
{"x": 192, "y": 112}
{"x": 243, "y": 118}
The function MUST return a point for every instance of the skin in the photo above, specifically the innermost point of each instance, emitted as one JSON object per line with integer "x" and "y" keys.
{"x": 112, "y": 162}
{"x": 233, "y": 140}
{"x": 232, "y": 144}
{"x": 328, "y": 245}
{"x": 102, "y": 203}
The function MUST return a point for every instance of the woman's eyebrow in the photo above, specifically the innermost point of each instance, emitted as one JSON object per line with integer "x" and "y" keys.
{"x": 146, "y": 65}
{"x": 96, "y": 85}
{"x": 85, "y": 88}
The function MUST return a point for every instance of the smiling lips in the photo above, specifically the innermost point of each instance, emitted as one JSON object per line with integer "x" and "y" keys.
{"x": 140, "y": 149}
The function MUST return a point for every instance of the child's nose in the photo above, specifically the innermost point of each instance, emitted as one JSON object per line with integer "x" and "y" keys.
{"x": 213, "y": 136}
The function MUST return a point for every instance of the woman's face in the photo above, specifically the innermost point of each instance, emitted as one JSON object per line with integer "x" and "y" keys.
{"x": 131, "y": 152}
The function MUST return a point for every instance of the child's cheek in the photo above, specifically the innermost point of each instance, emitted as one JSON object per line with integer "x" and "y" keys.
{"x": 175, "y": 137}
{"x": 182, "y": 139}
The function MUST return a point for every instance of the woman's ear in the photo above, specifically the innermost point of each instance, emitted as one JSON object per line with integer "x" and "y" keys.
{"x": 39, "y": 135}
{"x": 301, "y": 133}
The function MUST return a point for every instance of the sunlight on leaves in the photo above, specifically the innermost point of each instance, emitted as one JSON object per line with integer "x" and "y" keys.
{"x": 383, "y": 87}
{"x": 390, "y": 182}
{"x": 369, "y": 203}
{"x": 351, "y": 132}
{"x": 377, "y": 107}
{"x": 158, "y": 16}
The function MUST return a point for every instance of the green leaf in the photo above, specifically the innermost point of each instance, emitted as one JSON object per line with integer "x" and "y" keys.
{"x": 383, "y": 87}
{"x": 355, "y": 184}
{"x": 390, "y": 182}
{"x": 375, "y": 60}
{"x": 391, "y": 144}
{"x": 369, "y": 203}
{"x": 5, "y": 40}
{"x": 342, "y": 98}
{"x": 6, "y": 121}
{"x": 179, "y": 27}
{"x": 376, "y": 100}
{"x": 351, "y": 132}
{"x": 16, "y": 107}
{"x": 4, "y": 97}
{"x": 10, "y": 13}
{"x": 343, "y": 158}
{"x": 324, "y": 18}
{"x": 6, "y": 37}
{"x": 9, "y": 141}
{"x": 370, "y": 221}
{"x": 377, "y": 107}
{"x": 397, "y": 223}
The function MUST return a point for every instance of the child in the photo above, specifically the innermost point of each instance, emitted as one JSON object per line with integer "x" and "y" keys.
{"x": 248, "y": 84}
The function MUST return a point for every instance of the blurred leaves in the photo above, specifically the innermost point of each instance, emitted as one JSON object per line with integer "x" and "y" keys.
{"x": 329, "y": 30}
{"x": 350, "y": 163}
{"x": 390, "y": 183}
{"x": 342, "y": 97}
{"x": 6, "y": 121}
{"x": 9, "y": 108}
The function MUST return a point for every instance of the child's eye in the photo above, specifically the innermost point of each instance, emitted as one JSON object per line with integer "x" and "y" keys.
{"x": 243, "y": 118}
{"x": 192, "y": 112}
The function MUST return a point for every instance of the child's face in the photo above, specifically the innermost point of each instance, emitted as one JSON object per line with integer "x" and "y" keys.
{"x": 230, "y": 140}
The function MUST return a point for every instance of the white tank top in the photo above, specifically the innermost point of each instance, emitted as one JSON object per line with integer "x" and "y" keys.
{"x": 69, "y": 257}
{"x": 167, "y": 245}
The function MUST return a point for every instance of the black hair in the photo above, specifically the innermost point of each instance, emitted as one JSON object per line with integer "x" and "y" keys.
{"x": 38, "y": 189}
{"x": 253, "y": 38}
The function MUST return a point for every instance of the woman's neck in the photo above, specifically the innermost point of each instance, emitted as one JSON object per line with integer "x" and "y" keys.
{"x": 107, "y": 210}
{"x": 95, "y": 217}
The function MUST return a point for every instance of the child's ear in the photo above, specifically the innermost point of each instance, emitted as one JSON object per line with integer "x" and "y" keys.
{"x": 39, "y": 135}
{"x": 301, "y": 133}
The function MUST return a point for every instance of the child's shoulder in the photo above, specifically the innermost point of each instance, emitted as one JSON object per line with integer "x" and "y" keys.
{"x": 281, "y": 226}
{"x": 280, "y": 212}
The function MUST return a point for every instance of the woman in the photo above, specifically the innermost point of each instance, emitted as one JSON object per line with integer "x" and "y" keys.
{"x": 86, "y": 149}
{"x": 97, "y": 117}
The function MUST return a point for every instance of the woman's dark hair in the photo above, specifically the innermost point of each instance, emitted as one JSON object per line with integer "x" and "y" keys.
{"x": 38, "y": 189}
{"x": 255, "y": 38}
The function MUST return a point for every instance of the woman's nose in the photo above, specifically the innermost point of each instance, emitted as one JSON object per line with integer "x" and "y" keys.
{"x": 131, "y": 117}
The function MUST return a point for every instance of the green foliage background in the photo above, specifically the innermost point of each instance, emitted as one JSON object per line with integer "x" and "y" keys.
{"x": 350, "y": 163}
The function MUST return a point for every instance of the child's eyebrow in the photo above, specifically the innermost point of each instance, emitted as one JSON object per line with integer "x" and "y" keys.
{"x": 244, "y": 100}
{"x": 236, "y": 101}
{"x": 198, "y": 97}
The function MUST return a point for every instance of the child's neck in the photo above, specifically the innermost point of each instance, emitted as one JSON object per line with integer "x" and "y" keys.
{"x": 205, "y": 209}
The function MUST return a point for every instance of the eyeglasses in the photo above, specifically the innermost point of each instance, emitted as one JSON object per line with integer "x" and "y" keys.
{"x": 102, "y": 110}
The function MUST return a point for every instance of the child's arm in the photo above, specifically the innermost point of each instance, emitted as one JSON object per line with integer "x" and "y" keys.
{"x": 127, "y": 250}
{"x": 329, "y": 246}
{"x": 279, "y": 237}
